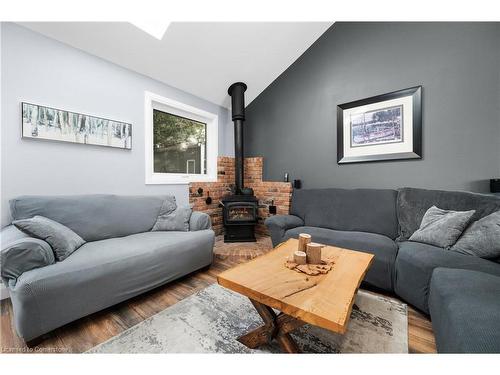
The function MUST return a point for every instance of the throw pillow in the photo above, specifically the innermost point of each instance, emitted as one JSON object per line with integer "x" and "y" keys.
{"x": 62, "y": 239}
{"x": 482, "y": 238}
{"x": 168, "y": 206}
{"x": 441, "y": 227}
{"x": 177, "y": 220}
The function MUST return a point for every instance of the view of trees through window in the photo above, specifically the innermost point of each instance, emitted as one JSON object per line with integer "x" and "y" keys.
{"x": 179, "y": 144}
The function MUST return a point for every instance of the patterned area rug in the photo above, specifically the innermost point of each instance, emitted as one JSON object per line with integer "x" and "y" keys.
{"x": 211, "y": 320}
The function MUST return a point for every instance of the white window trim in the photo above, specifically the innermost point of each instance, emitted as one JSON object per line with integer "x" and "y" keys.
{"x": 154, "y": 101}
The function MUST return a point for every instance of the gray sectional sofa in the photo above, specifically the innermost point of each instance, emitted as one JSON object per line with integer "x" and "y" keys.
{"x": 461, "y": 293}
{"x": 121, "y": 258}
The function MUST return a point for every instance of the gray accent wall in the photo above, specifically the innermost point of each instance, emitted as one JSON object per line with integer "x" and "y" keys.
{"x": 292, "y": 124}
{"x": 40, "y": 70}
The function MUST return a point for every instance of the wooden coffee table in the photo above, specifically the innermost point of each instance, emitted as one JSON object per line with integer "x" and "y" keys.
{"x": 324, "y": 300}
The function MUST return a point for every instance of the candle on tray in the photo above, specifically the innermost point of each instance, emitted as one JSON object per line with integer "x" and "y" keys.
{"x": 313, "y": 253}
{"x": 300, "y": 257}
{"x": 304, "y": 239}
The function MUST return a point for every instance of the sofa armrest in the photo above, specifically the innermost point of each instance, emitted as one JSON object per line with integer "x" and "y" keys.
{"x": 199, "y": 221}
{"x": 23, "y": 255}
{"x": 279, "y": 224}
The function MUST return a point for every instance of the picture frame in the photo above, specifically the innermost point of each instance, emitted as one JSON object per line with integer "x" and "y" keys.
{"x": 381, "y": 128}
{"x": 52, "y": 124}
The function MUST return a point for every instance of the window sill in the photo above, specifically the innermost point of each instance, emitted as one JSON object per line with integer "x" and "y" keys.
{"x": 165, "y": 179}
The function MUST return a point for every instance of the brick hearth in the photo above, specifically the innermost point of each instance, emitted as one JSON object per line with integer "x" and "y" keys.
{"x": 265, "y": 191}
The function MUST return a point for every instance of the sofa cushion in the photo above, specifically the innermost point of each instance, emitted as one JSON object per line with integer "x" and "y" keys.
{"x": 442, "y": 227}
{"x": 465, "y": 311}
{"x": 384, "y": 249}
{"x": 482, "y": 238}
{"x": 415, "y": 263}
{"x": 62, "y": 239}
{"x": 412, "y": 204}
{"x": 362, "y": 210}
{"x": 103, "y": 273}
{"x": 93, "y": 217}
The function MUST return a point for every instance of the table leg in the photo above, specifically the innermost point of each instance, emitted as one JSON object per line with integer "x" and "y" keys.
{"x": 275, "y": 327}
{"x": 287, "y": 343}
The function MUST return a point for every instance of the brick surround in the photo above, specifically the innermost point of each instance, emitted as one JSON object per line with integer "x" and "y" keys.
{"x": 265, "y": 191}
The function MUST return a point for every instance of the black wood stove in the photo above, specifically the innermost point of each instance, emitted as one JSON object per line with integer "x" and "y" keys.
{"x": 239, "y": 208}
{"x": 240, "y": 217}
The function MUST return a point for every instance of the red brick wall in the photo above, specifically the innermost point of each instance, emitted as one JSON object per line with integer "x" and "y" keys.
{"x": 265, "y": 191}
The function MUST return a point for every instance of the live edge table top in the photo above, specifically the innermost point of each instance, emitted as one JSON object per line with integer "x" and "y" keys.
{"x": 323, "y": 300}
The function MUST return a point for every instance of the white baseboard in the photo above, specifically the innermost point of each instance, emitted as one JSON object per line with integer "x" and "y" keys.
{"x": 4, "y": 292}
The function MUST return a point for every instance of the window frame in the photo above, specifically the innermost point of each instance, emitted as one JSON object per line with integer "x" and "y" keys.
{"x": 153, "y": 101}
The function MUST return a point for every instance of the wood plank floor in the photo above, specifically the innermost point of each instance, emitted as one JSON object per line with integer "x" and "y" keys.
{"x": 87, "y": 332}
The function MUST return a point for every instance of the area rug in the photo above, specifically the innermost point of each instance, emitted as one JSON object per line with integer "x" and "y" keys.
{"x": 211, "y": 320}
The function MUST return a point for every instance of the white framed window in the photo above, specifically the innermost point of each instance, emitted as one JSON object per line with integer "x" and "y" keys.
{"x": 181, "y": 142}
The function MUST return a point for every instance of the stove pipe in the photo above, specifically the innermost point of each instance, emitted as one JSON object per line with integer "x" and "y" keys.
{"x": 237, "y": 93}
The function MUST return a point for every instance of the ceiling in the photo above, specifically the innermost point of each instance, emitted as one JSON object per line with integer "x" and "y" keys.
{"x": 197, "y": 57}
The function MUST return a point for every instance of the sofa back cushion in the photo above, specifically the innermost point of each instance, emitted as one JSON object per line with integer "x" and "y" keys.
{"x": 363, "y": 210}
{"x": 93, "y": 217}
{"x": 412, "y": 204}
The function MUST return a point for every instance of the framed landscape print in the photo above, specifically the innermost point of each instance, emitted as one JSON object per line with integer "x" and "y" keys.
{"x": 40, "y": 122}
{"x": 383, "y": 127}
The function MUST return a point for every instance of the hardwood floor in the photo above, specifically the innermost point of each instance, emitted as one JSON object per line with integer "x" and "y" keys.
{"x": 87, "y": 332}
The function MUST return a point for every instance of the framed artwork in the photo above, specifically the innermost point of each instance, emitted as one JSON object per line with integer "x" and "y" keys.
{"x": 383, "y": 127}
{"x": 40, "y": 122}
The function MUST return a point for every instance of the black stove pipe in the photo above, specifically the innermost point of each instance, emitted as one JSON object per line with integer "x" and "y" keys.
{"x": 237, "y": 93}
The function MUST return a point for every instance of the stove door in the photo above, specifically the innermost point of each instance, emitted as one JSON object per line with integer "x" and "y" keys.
{"x": 240, "y": 212}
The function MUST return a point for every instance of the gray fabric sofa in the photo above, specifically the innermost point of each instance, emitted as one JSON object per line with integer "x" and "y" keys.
{"x": 466, "y": 317}
{"x": 380, "y": 222}
{"x": 120, "y": 259}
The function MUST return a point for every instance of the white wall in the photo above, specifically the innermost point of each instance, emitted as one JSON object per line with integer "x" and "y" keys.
{"x": 43, "y": 71}
{"x": 3, "y": 290}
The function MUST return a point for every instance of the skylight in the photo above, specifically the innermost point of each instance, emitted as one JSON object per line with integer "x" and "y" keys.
{"x": 155, "y": 28}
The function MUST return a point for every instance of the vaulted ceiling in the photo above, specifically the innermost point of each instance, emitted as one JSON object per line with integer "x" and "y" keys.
{"x": 200, "y": 58}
